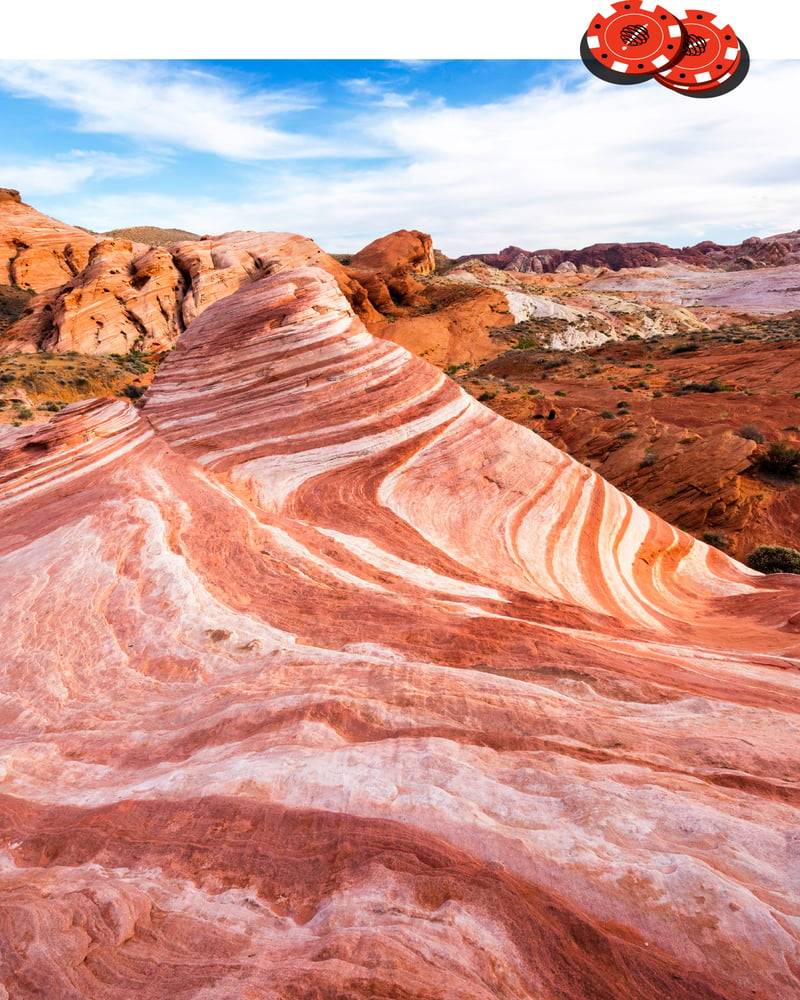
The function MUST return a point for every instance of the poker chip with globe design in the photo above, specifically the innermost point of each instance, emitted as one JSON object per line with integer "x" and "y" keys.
{"x": 631, "y": 41}
{"x": 711, "y": 54}
{"x": 716, "y": 88}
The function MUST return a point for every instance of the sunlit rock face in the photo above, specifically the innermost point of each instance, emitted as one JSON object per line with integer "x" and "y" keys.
{"x": 322, "y": 680}
{"x": 36, "y": 251}
{"x": 119, "y": 296}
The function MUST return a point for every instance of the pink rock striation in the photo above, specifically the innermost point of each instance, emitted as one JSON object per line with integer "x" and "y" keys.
{"x": 322, "y": 680}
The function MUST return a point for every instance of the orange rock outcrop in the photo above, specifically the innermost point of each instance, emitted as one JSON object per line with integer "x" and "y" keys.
{"x": 322, "y": 680}
{"x": 36, "y": 251}
{"x": 129, "y": 296}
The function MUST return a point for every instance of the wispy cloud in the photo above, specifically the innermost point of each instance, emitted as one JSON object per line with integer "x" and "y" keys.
{"x": 377, "y": 94}
{"x": 169, "y": 106}
{"x": 566, "y": 163}
{"x": 66, "y": 173}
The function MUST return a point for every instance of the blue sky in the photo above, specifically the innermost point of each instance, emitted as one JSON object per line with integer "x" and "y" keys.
{"x": 480, "y": 153}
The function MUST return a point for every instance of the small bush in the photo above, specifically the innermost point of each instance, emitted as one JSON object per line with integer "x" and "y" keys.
{"x": 774, "y": 559}
{"x": 683, "y": 348}
{"x": 713, "y": 386}
{"x": 626, "y": 435}
{"x": 650, "y": 458}
{"x": 607, "y": 415}
{"x": 559, "y": 392}
{"x": 133, "y": 391}
{"x": 751, "y": 433}
{"x": 781, "y": 460}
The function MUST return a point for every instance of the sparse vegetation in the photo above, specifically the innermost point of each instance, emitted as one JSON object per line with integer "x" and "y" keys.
{"x": 774, "y": 559}
{"x": 713, "y": 386}
{"x": 751, "y": 433}
{"x": 781, "y": 460}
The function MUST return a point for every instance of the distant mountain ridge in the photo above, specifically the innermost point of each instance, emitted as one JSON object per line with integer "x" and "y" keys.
{"x": 753, "y": 252}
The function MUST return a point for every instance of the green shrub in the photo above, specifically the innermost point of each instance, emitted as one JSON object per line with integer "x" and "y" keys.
{"x": 774, "y": 559}
{"x": 713, "y": 386}
{"x": 781, "y": 460}
{"x": 751, "y": 433}
{"x": 607, "y": 415}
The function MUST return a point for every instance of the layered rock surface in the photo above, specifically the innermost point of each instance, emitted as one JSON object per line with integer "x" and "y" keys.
{"x": 324, "y": 681}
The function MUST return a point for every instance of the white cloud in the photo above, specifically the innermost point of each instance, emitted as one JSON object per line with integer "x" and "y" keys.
{"x": 167, "y": 106}
{"x": 66, "y": 173}
{"x": 558, "y": 166}
{"x": 377, "y": 94}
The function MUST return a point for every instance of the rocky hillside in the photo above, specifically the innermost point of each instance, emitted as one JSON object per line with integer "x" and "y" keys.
{"x": 323, "y": 680}
{"x": 687, "y": 426}
{"x": 105, "y": 328}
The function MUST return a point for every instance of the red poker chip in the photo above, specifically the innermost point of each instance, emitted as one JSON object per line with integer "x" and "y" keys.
{"x": 725, "y": 84}
{"x": 711, "y": 54}
{"x": 635, "y": 38}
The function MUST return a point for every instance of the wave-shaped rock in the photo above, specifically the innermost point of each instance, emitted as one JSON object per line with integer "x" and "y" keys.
{"x": 324, "y": 681}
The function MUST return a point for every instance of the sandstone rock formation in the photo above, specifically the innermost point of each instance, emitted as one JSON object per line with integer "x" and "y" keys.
{"x": 130, "y": 296}
{"x": 403, "y": 252}
{"x": 387, "y": 266}
{"x": 322, "y": 680}
{"x": 36, "y": 251}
